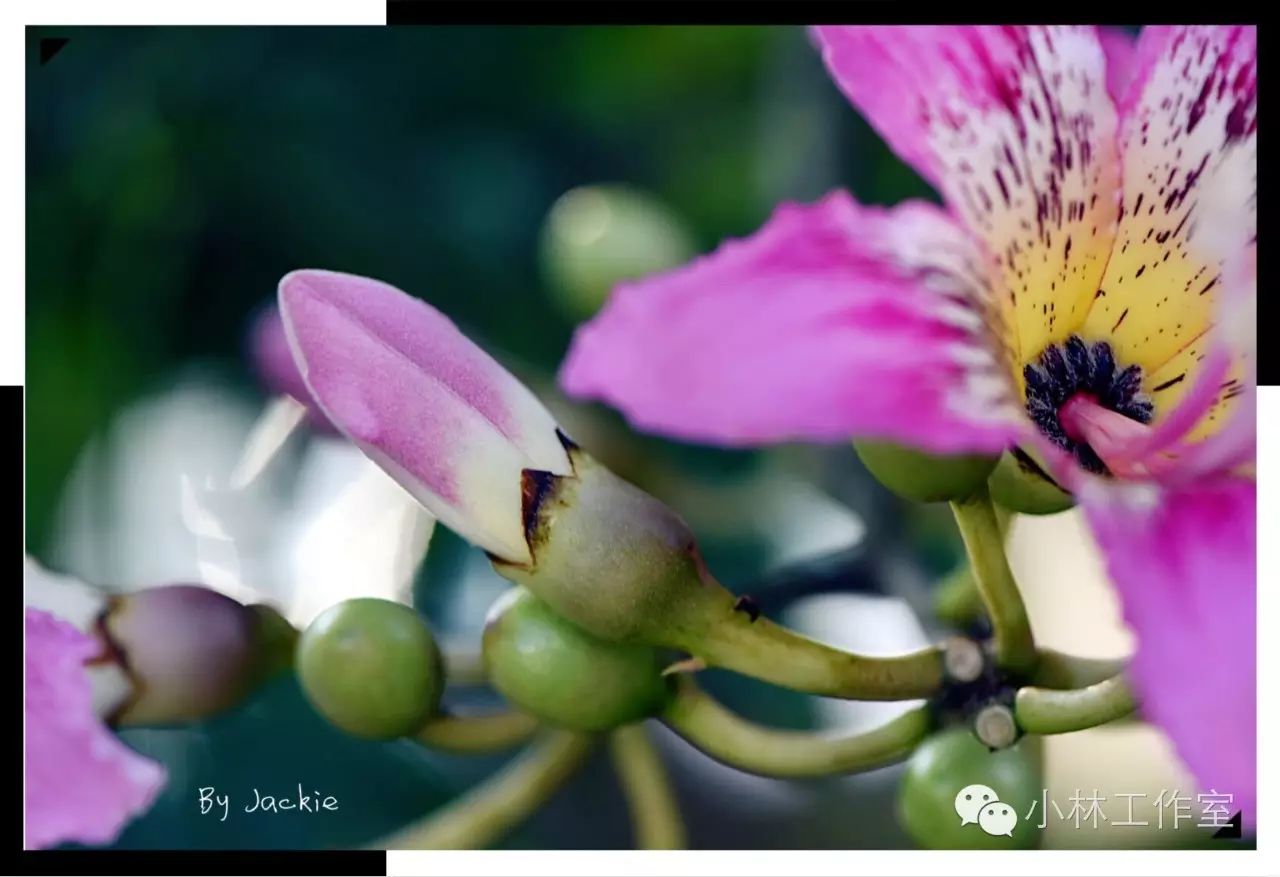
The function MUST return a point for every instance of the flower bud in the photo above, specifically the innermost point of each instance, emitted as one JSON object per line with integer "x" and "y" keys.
{"x": 923, "y": 477}
{"x": 474, "y": 446}
{"x": 595, "y": 237}
{"x": 1020, "y": 484}
{"x": 564, "y": 675}
{"x": 371, "y": 667}
{"x": 608, "y": 556}
{"x": 431, "y": 408}
{"x": 189, "y": 652}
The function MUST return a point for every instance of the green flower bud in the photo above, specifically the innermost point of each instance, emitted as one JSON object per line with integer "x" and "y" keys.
{"x": 189, "y": 652}
{"x": 1019, "y": 483}
{"x": 371, "y": 667}
{"x": 924, "y": 477}
{"x": 564, "y": 675}
{"x": 952, "y": 778}
{"x": 606, "y": 555}
{"x": 597, "y": 236}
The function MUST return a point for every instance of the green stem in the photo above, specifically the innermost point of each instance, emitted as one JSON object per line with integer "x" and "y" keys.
{"x": 491, "y": 809}
{"x": 1058, "y": 670}
{"x": 731, "y": 739}
{"x": 477, "y": 734}
{"x": 1045, "y": 711}
{"x": 769, "y": 652}
{"x": 984, "y": 543}
{"x": 654, "y": 812}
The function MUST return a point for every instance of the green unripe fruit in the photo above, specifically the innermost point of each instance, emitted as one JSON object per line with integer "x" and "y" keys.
{"x": 371, "y": 667}
{"x": 597, "y": 236}
{"x": 944, "y": 788}
{"x": 924, "y": 477}
{"x": 564, "y": 675}
{"x": 1019, "y": 484}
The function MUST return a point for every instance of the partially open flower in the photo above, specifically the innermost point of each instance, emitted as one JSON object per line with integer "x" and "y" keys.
{"x": 1086, "y": 295}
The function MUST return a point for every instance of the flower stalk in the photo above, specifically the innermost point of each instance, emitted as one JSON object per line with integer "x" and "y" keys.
{"x": 1058, "y": 670}
{"x": 488, "y": 811}
{"x": 467, "y": 735}
{"x": 655, "y": 815}
{"x": 742, "y": 744}
{"x": 984, "y": 543}
{"x": 1046, "y": 711}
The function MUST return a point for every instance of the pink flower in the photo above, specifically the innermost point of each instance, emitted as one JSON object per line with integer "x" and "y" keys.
{"x": 1086, "y": 294}
{"x": 81, "y": 783}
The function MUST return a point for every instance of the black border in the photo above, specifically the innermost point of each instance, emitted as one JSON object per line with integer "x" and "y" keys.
{"x": 200, "y": 862}
{"x": 764, "y": 12}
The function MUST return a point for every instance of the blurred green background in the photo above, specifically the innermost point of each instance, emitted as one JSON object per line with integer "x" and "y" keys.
{"x": 175, "y": 174}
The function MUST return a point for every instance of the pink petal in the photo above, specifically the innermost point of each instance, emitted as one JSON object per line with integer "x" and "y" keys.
{"x": 1184, "y": 563}
{"x": 1014, "y": 126}
{"x": 1188, "y": 134}
{"x": 834, "y": 320}
{"x": 424, "y": 402}
{"x": 1120, "y": 49}
{"x": 273, "y": 361}
{"x": 81, "y": 783}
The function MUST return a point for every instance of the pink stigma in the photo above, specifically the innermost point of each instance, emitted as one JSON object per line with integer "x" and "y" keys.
{"x": 1116, "y": 439}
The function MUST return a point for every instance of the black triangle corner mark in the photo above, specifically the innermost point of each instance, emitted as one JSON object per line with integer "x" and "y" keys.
{"x": 50, "y": 46}
{"x": 1233, "y": 829}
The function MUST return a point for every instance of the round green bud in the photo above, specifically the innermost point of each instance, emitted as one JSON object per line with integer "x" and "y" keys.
{"x": 924, "y": 477}
{"x": 597, "y": 236}
{"x": 1019, "y": 484}
{"x": 565, "y": 676}
{"x": 371, "y": 667}
{"x": 957, "y": 794}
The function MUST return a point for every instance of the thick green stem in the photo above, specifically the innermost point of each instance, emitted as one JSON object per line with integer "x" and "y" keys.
{"x": 984, "y": 543}
{"x": 747, "y": 746}
{"x": 772, "y": 653}
{"x": 655, "y": 814}
{"x": 1058, "y": 670}
{"x": 477, "y": 734}
{"x": 491, "y": 809}
{"x": 1046, "y": 711}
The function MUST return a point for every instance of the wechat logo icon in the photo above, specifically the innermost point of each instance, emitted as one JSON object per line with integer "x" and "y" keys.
{"x": 980, "y": 805}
